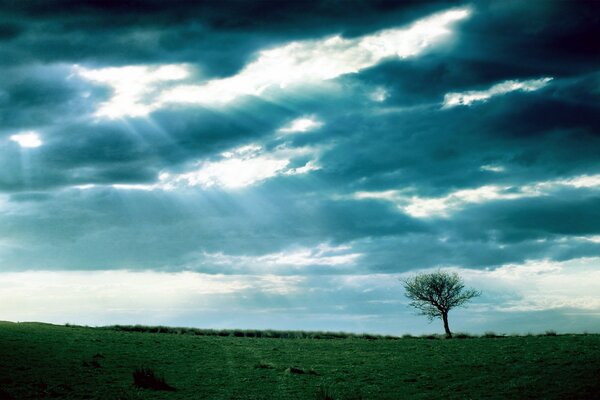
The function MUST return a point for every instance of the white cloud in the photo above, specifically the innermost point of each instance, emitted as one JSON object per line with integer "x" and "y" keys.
{"x": 473, "y": 96}
{"x": 29, "y": 139}
{"x": 322, "y": 255}
{"x": 139, "y": 90}
{"x": 492, "y": 168}
{"x": 425, "y": 207}
{"x": 301, "y": 125}
{"x": 134, "y": 87}
{"x": 319, "y": 60}
{"x": 306, "y": 168}
{"x": 237, "y": 168}
{"x": 233, "y": 172}
{"x": 589, "y": 239}
{"x": 244, "y": 166}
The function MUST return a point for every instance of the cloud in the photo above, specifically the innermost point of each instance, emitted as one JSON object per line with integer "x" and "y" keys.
{"x": 289, "y": 261}
{"x": 492, "y": 168}
{"x": 132, "y": 86}
{"x": 301, "y": 125}
{"x": 237, "y": 168}
{"x": 538, "y": 285}
{"x": 27, "y": 139}
{"x": 475, "y": 96}
{"x": 301, "y": 62}
{"x": 443, "y": 206}
{"x": 232, "y": 172}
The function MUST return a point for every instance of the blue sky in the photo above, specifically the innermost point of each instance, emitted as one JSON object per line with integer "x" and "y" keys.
{"x": 283, "y": 164}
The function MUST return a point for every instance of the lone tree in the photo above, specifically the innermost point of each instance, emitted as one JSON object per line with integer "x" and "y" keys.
{"x": 437, "y": 293}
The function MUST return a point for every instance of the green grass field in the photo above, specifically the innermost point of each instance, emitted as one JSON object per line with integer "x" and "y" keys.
{"x": 49, "y": 361}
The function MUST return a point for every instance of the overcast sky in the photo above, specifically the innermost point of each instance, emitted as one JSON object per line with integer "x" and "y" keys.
{"x": 281, "y": 164}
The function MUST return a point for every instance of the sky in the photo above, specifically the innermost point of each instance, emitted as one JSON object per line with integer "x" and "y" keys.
{"x": 283, "y": 165}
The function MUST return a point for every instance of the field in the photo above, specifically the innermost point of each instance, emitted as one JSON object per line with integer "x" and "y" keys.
{"x": 49, "y": 361}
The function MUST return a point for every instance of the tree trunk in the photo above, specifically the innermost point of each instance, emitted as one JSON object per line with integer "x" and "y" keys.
{"x": 446, "y": 327}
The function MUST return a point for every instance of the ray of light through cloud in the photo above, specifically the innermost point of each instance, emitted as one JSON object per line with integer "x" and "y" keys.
{"x": 132, "y": 87}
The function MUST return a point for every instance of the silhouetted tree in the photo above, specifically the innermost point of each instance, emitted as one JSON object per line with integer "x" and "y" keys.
{"x": 435, "y": 294}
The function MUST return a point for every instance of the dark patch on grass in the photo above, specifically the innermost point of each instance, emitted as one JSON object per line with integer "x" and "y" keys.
{"x": 146, "y": 378}
{"x": 91, "y": 364}
{"x": 294, "y": 370}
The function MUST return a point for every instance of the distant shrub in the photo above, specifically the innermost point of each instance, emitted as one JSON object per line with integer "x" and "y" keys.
{"x": 462, "y": 335}
{"x": 407, "y": 336}
{"x": 490, "y": 335}
{"x": 550, "y": 333}
{"x": 249, "y": 333}
{"x": 430, "y": 336}
{"x": 370, "y": 337}
{"x": 146, "y": 378}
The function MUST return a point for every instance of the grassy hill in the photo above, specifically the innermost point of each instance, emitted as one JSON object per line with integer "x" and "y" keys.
{"x": 49, "y": 361}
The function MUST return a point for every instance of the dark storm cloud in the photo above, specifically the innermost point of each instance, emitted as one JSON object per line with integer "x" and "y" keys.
{"x": 537, "y": 136}
{"x": 502, "y": 41}
{"x": 555, "y": 38}
{"x": 38, "y": 95}
{"x": 564, "y": 214}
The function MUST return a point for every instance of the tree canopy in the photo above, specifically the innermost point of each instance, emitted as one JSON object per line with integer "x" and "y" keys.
{"x": 435, "y": 294}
